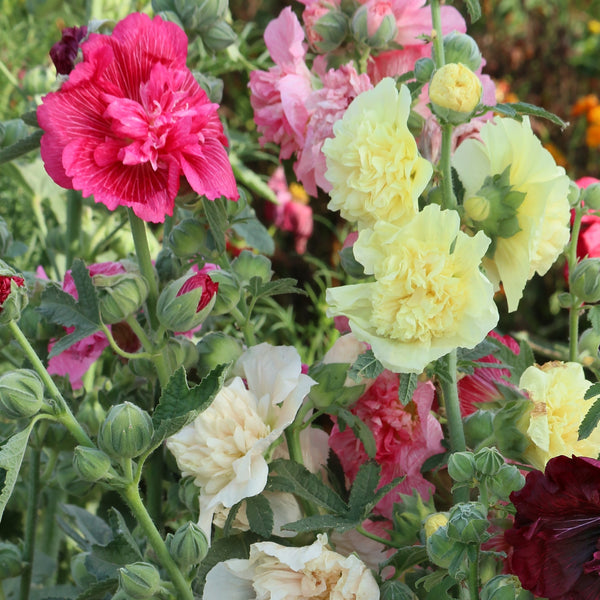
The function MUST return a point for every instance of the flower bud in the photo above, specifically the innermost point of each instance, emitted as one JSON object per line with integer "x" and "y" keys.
{"x": 442, "y": 550}
{"x": 121, "y": 295}
{"x": 510, "y": 426}
{"x": 589, "y": 343}
{"x": 374, "y": 25}
{"x": 434, "y": 522}
{"x": 218, "y": 36}
{"x": 508, "y": 479}
{"x": 248, "y": 265}
{"x": 90, "y": 464}
{"x": 126, "y": 432}
{"x": 180, "y": 351}
{"x": 455, "y": 92}
{"x": 478, "y": 426}
{"x": 139, "y": 580}
{"x": 503, "y": 587}
{"x": 187, "y": 238}
{"x": 591, "y": 196}
{"x": 213, "y": 86}
{"x": 229, "y": 292}
{"x": 91, "y": 414}
{"x": 462, "y": 48}
{"x": 186, "y": 302}
{"x": 424, "y": 68}
{"x": 68, "y": 479}
{"x": 488, "y": 461}
{"x": 461, "y": 467}
{"x": 584, "y": 280}
{"x": 332, "y": 27}
{"x": 188, "y": 545}
{"x": 13, "y": 294}
{"x": 467, "y": 523}
{"x": 168, "y": 266}
{"x": 574, "y": 194}
{"x": 217, "y": 348}
{"x": 11, "y": 564}
{"x": 477, "y": 208}
{"x": 64, "y": 53}
{"x": 21, "y": 394}
{"x": 188, "y": 493}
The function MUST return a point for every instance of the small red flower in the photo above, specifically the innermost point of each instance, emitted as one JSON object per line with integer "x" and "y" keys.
{"x": 208, "y": 286}
{"x": 556, "y": 535}
{"x": 5, "y": 286}
{"x": 64, "y": 53}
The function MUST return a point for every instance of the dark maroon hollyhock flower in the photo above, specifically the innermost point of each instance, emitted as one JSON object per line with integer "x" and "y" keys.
{"x": 5, "y": 286}
{"x": 64, "y": 53}
{"x": 556, "y": 535}
{"x": 202, "y": 280}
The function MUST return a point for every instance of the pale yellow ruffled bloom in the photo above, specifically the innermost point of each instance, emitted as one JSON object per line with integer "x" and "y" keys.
{"x": 557, "y": 390}
{"x": 373, "y": 163}
{"x": 429, "y": 295}
{"x": 455, "y": 87}
{"x": 543, "y": 216}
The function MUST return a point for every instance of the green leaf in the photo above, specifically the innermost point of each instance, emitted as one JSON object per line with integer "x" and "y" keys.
{"x": 364, "y": 486}
{"x": 396, "y": 590}
{"x": 262, "y": 289}
{"x": 260, "y": 515}
{"x": 83, "y": 314}
{"x": 23, "y": 146}
{"x": 30, "y": 118}
{"x": 359, "y": 427}
{"x": 320, "y": 522}
{"x": 330, "y": 389}
{"x": 248, "y": 227}
{"x": 524, "y": 359}
{"x": 85, "y": 526}
{"x": 296, "y": 479}
{"x": 407, "y": 387}
{"x": 11, "y": 457}
{"x": 594, "y": 318}
{"x": 99, "y": 590}
{"x": 120, "y": 530}
{"x": 216, "y": 214}
{"x": 179, "y": 405}
{"x": 503, "y": 109}
{"x": 407, "y": 557}
{"x": 484, "y": 348}
{"x": 590, "y": 421}
{"x": 524, "y": 108}
{"x": 366, "y": 366}
{"x": 474, "y": 9}
{"x": 593, "y": 391}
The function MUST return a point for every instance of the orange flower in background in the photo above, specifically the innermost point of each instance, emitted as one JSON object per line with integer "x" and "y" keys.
{"x": 589, "y": 106}
{"x": 584, "y": 105}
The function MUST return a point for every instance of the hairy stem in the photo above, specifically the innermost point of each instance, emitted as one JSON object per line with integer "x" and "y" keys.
{"x": 575, "y": 303}
{"x": 73, "y": 225}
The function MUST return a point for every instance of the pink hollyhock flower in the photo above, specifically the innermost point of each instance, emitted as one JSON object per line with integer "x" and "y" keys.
{"x": 64, "y": 53}
{"x": 292, "y": 214}
{"x": 480, "y": 386}
{"x": 312, "y": 12}
{"x": 556, "y": 534}
{"x": 131, "y": 120}
{"x": 588, "y": 243}
{"x": 278, "y": 96}
{"x": 75, "y": 361}
{"x": 405, "y": 437}
{"x": 326, "y": 106}
{"x": 5, "y": 282}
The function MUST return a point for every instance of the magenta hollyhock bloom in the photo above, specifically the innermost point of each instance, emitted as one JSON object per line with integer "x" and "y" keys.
{"x": 131, "y": 120}
{"x": 556, "y": 534}
{"x": 5, "y": 281}
{"x": 200, "y": 280}
{"x": 405, "y": 437}
{"x": 64, "y": 52}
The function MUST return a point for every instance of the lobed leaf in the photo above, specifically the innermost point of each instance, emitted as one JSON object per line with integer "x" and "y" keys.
{"x": 366, "y": 366}
{"x": 590, "y": 421}
{"x": 260, "y": 515}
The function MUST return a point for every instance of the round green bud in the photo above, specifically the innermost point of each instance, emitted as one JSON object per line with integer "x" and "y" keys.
{"x": 488, "y": 461}
{"x": 218, "y": 36}
{"x": 574, "y": 194}
{"x": 591, "y": 196}
{"x": 248, "y": 265}
{"x": 168, "y": 266}
{"x": 503, "y": 587}
{"x": 213, "y": 86}
{"x": 180, "y": 351}
{"x": 217, "y": 348}
{"x": 588, "y": 344}
{"x": 441, "y": 550}
{"x": 126, "y": 432}
{"x": 565, "y": 300}
{"x": 461, "y": 467}
{"x": 333, "y": 29}
{"x": 68, "y": 479}
{"x": 90, "y": 464}
{"x": 187, "y": 237}
{"x": 229, "y": 292}
{"x": 424, "y": 69}
{"x": 467, "y": 523}
{"x": 478, "y": 426}
{"x": 21, "y": 394}
{"x": 38, "y": 80}
{"x": 508, "y": 479}
{"x": 139, "y": 580}
{"x": 584, "y": 280}
{"x": 11, "y": 563}
{"x": 381, "y": 37}
{"x": 188, "y": 545}
{"x": 91, "y": 414}
{"x": 462, "y": 48}
{"x": 120, "y": 296}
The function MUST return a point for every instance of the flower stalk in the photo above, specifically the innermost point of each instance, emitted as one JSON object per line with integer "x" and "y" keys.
{"x": 575, "y": 307}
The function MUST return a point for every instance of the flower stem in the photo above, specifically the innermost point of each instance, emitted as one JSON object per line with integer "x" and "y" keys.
{"x": 438, "y": 39}
{"x": 445, "y": 165}
{"x": 474, "y": 578}
{"x": 73, "y": 225}
{"x": 575, "y": 303}
{"x": 63, "y": 412}
{"x": 120, "y": 351}
{"x": 132, "y": 497}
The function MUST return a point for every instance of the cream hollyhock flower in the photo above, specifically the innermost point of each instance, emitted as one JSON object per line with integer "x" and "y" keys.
{"x": 540, "y": 228}
{"x": 275, "y": 572}
{"x": 224, "y": 447}
{"x": 428, "y": 296}
{"x": 557, "y": 390}
{"x": 373, "y": 163}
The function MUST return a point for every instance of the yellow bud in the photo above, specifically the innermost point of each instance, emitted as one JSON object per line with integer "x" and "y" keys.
{"x": 434, "y": 522}
{"x": 455, "y": 87}
{"x": 477, "y": 208}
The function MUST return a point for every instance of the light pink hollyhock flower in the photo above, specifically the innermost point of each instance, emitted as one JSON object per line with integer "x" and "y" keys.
{"x": 278, "y": 96}
{"x": 479, "y": 387}
{"x": 326, "y": 106}
{"x": 75, "y": 361}
{"x": 313, "y": 11}
{"x": 131, "y": 120}
{"x": 292, "y": 214}
{"x": 405, "y": 437}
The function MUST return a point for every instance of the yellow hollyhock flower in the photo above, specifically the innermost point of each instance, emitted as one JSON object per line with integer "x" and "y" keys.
{"x": 428, "y": 296}
{"x": 557, "y": 390}
{"x": 533, "y": 194}
{"x": 373, "y": 163}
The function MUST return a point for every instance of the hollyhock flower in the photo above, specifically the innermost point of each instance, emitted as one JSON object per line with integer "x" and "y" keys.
{"x": 313, "y": 11}
{"x": 510, "y": 162}
{"x": 224, "y": 447}
{"x": 326, "y": 106}
{"x": 405, "y": 437}
{"x": 76, "y": 360}
{"x": 588, "y": 242}
{"x": 557, "y": 391}
{"x": 7, "y": 282}
{"x": 278, "y": 96}
{"x": 428, "y": 296}
{"x": 13, "y": 294}
{"x": 64, "y": 52}
{"x": 556, "y": 534}
{"x": 373, "y": 165}
{"x": 480, "y": 386}
{"x": 131, "y": 120}
{"x": 292, "y": 214}
{"x": 291, "y": 573}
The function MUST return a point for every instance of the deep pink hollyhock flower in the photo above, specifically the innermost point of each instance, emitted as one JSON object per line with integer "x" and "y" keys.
{"x": 64, "y": 53}
{"x": 200, "y": 280}
{"x": 5, "y": 286}
{"x": 480, "y": 386}
{"x": 278, "y": 96}
{"x": 405, "y": 437}
{"x": 131, "y": 120}
{"x": 556, "y": 534}
{"x": 75, "y": 361}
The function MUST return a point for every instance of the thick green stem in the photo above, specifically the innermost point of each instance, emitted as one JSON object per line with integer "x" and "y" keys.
{"x": 140, "y": 241}
{"x": 575, "y": 303}
{"x": 132, "y": 497}
{"x": 30, "y": 523}
{"x": 445, "y": 165}
{"x": 438, "y": 39}
{"x": 474, "y": 578}
{"x": 73, "y": 226}
{"x": 63, "y": 412}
